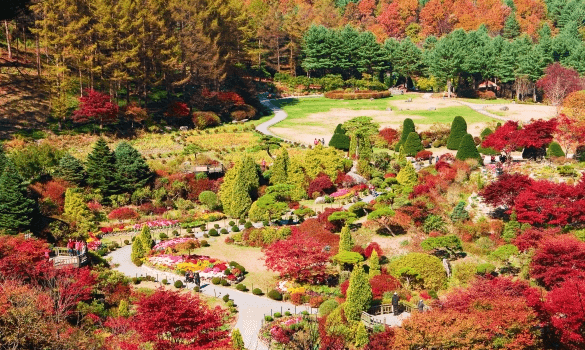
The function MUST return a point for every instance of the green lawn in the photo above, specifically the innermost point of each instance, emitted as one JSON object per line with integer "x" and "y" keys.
{"x": 446, "y": 115}
{"x": 499, "y": 101}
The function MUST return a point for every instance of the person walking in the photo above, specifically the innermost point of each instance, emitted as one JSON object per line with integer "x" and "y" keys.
{"x": 421, "y": 305}
{"x": 315, "y": 142}
{"x": 197, "y": 279}
{"x": 83, "y": 248}
{"x": 395, "y": 300}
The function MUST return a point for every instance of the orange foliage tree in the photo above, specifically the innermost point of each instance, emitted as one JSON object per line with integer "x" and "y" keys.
{"x": 397, "y": 16}
{"x": 436, "y": 18}
{"x": 530, "y": 14}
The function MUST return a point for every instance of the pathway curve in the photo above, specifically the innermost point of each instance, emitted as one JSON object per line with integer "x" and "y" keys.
{"x": 251, "y": 308}
{"x": 480, "y": 108}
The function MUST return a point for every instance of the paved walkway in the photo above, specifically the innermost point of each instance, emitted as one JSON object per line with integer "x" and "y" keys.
{"x": 480, "y": 108}
{"x": 251, "y": 308}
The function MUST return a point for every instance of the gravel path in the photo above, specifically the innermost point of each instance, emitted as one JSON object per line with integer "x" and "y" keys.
{"x": 481, "y": 109}
{"x": 251, "y": 308}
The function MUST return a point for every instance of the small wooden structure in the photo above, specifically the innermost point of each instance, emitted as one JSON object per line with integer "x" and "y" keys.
{"x": 369, "y": 318}
{"x": 209, "y": 169}
{"x": 62, "y": 258}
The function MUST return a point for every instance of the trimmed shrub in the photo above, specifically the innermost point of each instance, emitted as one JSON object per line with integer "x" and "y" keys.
{"x": 196, "y": 289}
{"x": 204, "y": 243}
{"x": 277, "y": 315}
{"x": 484, "y": 268}
{"x": 164, "y": 281}
{"x": 458, "y": 130}
{"x": 555, "y": 150}
{"x": 231, "y": 223}
{"x": 485, "y": 133}
{"x": 235, "y": 229}
{"x": 340, "y": 141}
{"x": 407, "y": 128}
{"x": 268, "y": 318}
{"x": 203, "y": 120}
{"x": 224, "y": 283}
{"x": 275, "y": 295}
{"x": 468, "y": 150}
{"x": 424, "y": 155}
{"x": 126, "y": 242}
{"x": 257, "y": 291}
{"x": 503, "y": 253}
{"x": 242, "y": 221}
{"x": 226, "y": 298}
{"x": 241, "y": 287}
{"x": 213, "y": 233}
{"x": 247, "y": 225}
{"x": 216, "y": 280}
{"x": 412, "y": 145}
{"x": 428, "y": 269}
{"x": 327, "y": 306}
{"x": 287, "y": 313}
{"x": 163, "y": 235}
{"x": 178, "y": 284}
{"x": 224, "y": 231}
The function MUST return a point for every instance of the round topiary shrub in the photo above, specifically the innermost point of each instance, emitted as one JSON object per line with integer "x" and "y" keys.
{"x": 327, "y": 306}
{"x": 196, "y": 289}
{"x": 226, "y": 298}
{"x": 175, "y": 233}
{"x": 213, "y": 233}
{"x": 277, "y": 315}
{"x": 275, "y": 295}
{"x": 241, "y": 287}
{"x": 241, "y": 221}
{"x": 555, "y": 150}
{"x": 304, "y": 313}
{"x": 257, "y": 291}
{"x": 126, "y": 242}
{"x": 287, "y": 313}
{"x": 163, "y": 235}
{"x": 268, "y": 318}
{"x": 216, "y": 226}
{"x": 204, "y": 243}
{"x": 248, "y": 225}
{"x": 164, "y": 282}
{"x": 136, "y": 280}
{"x": 231, "y": 223}
{"x": 235, "y": 229}
{"x": 205, "y": 235}
{"x": 178, "y": 284}
{"x": 224, "y": 283}
{"x": 224, "y": 231}
{"x": 230, "y": 303}
{"x": 216, "y": 280}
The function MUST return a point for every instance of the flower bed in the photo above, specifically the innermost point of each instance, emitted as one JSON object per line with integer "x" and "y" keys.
{"x": 162, "y": 223}
{"x": 281, "y": 330}
{"x": 93, "y": 243}
{"x": 207, "y": 267}
{"x": 171, "y": 243}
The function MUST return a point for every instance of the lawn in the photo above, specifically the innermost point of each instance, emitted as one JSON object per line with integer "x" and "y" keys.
{"x": 446, "y": 115}
{"x": 499, "y": 101}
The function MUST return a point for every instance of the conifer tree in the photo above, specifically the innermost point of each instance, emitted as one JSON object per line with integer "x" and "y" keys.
{"x": 413, "y": 145}
{"x": 237, "y": 340}
{"x": 249, "y": 175}
{"x": 359, "y": 294}
{"x": 361, "y": 336}
{"x": 16, "y": 209}
{"x": 131, "y": 168}
{"x": 511, "y": 27}
{"x": 146, "y": 239}
{"x": 374, "y": 264}
{"x": 459, "y": 213}
{"x": 339, "y": 139}
{"x": 468, "y": 150}
{"x": 76, "y": 210}
{"x": 244, "y": 174}
{"x": 240, "y": 199}
{"x": 279, "y": 173}
{"x": 2, "y": 159}
{"x": 71, "y": 169}
{"x": 555, "y": 150}
{"x": 137, "y": 251}
{"x": 407, "y": 128}
{"x": 297, "y": 178}
{"x": 101, "y": 169}
{"x": 407, "y": 176}
{"x": 346, "y": 242}
{"x": 458, "y": 130}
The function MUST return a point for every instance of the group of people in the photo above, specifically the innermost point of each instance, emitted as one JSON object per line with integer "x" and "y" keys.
{"x": 77, "y": 247}
{"x": 193, "y": 278}
{"x": 396, "y": 307}
{"x": 319, "y": 141}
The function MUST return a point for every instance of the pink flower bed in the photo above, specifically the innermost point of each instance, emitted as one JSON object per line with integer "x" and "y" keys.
{"x": 340, "y": 193}
{"x": 156, "y": 223}
{"x": 172, "y": 242}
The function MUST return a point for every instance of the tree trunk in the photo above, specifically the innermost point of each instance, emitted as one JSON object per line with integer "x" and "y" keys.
{"x": 449, "y": 86}
{"x": 8, "y": 39}
{"x": 38, "y": 56}
{"x": 534, "y": 94}
{"x": 278, "y": 53}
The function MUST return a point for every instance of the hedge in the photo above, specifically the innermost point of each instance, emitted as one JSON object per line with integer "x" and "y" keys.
{"x": 430, "y": 269}
{"x": 356, "y": 95}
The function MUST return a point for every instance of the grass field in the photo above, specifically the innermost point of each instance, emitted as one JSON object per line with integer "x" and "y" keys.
{"x": 499, "y": 101}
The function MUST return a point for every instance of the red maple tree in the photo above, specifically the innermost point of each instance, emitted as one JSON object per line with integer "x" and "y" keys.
{"x": 173, "y": 320}
{"x": 177, "y": 110}
{"x": 23, "y": 259}
{"x": 566, "y": 308}
{"x": 532, "y": 237}
{"x": 436, "y": 18}
{"x": 558, "y": 259}
{"x": 558, "y": 82}
{"x": 96, "y": 106}
{"x": 505, "y": 189}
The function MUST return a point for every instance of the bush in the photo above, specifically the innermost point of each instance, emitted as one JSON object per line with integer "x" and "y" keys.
{"x": 257, "y": 291}
{"x": 123, "y": 213}
{"x": 468, "y": 150}
{"x": 327, "y": 306}
{"x": 178, "y": 284}
{"x": 484, "y": 268}
{"x": 231, "y": 223}
{"x": 203, "y": 120}
{"x": 275, "y": 295}
{"x": 458, "y": 131}
{"x": 424, "y": 155}
{"x": 226, "y": 298}
{"x": 304, "y": 313}
{"x": 136, "y": 280}
{"x": 163, "y": 235}
{"x": 224, "y": 283}
{"x": 340, "y": 141}
{"x": 224, "y": 231}
{"x": 204, "y": 243}
{"x": 277, "y": 315}
{"x": 247, "y": 225}
{"x": 216, "y": 226}
{"x": 268, "y": 318}
{"x": 555, "y": 150}
{"x": 487, "y": 95}
{"x": 431, "y": 274}
{"x": 503, "y": 253}
{"x": 241, "y": 287}
{"x": 241, "y": 221}
{"x": 412, "y": 145}
{"x": 287, "y": 313}
{"x": 485, "y": 133}
{"x": 216, "y": 280}
{"x": 235, "y": 229}
{"x": 126, "y": 242}
{"x": 580, "y": 153}
{"x": 320, "y": 184}
{"x": 196, "y": 289}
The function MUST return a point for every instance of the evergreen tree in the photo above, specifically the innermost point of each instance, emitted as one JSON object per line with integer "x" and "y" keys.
{"x": 467, "y": 149}
{"x": 131, "y": 168}
{"x": 361, "y": 336}
{"x": 71, "y": 169}
{"x": 245, "y": 172}
{"x": 146, "y": 239}
{"x": 240, "y": 199}
{"x": 16, "y": 209}
{"x": 249, "y": 175}
{"x": 511, "y": 27}
{"x": 237, "y": 340}
{"x": 458, "y": 130}
{"x": 2, "y": 159}
{"x": 359, "y": 294}
{"x": 339, "y": 139}
{"x": 555, "y": 150}
{"x": 504, "y": 60}
{"x": 76, "y": 210}
{"x": 413, "y": 145}
{"x": 407, "y": 176}
{"x": 374, "y": 264}
{"x": 407, "y": 128}
{"x": 485, "y": 133}
{"x": 459, "y": 213}
{"x": 101, "y": 169}
{"x": 297, "y": 178}
{"x": 279, "y": 173}
{"x": 346, "y": 242}
{"x": 138, "y": 251}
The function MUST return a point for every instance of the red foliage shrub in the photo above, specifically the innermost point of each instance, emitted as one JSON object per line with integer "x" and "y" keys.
{"x": 196, "y": 186}
{"x": 315, "y": 302}
{"x": 371, "y": 247}
{"x": 558, "y": 259}
{"x": 447, "y": 157}
{"x": 382, "y": 284}
{"x": 222, "y": 96}
{"x": 94, "y": 206}
{"x": 146, "y": 208}
{"x": 321, "y": 184}
{"x": 123, "y": 213}
{"x": 381, "y": 341}
{"x": 95, "y": 106}
{"x": 313, "y": 229}
{"x": 177, "y": 110}
{"x": 296, "y": 298}
{"x": 334, "y": 226}
{"x": 344, "y": 287}
{"x": 532, "y": 237}
{"x": 359, "y": 249}
{"x": 387, "y": 175}
{"x": 344, "y": 180}
{"x": 204, "y": 120}
{"x": 505, "y": 189}
{"x": 294, "y": 205}
{"x": 424, "y": 155}
{"x": 22, "y": 259}
{"x": 389, "y": 135}
{"x": 487, "y": 95}
{"x": 328, "y": 340}
{"x": 566, "y": 309}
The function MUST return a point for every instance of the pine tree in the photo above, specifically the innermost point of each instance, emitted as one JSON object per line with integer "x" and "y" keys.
{"x": 138, "y": 251}
{"x": 413, "y": 145}
{"x": 468, "y": 150}
{"x": 407, "y": 176}
{"x": 16, "y": 209}
{"x": 359, "y": 294}
{"x": 374, "y": 264}
{"x": 297, "y": 178}
{"x": 458, "y": 130}
{"x": 131, "y": 168}
{"x": 407, "y": 128}
{"x": 240, "y": 199}
{"x": 346, "y": 242}
{"x": 279, "y": 173}
{"x": 237, "y": 340}
{"x": 511, "y": 27}
{"x": 146, "y": 239}
{"x": 459, "y": 213}
{"x": 76, "y": 210}
{"x": 249, "y": 175}
{"x": 361, "y": 336}
{"x": 101, "y": 169}
{"x": 244, "y": 175}
{"x": 555, "y": 150}
{"x": 71, "y": 169}
{"x": 2, "y": 159}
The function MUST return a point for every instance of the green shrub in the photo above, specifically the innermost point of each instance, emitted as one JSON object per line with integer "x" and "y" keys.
{"x": 224, "y": 231}
{"x": 468, "y": 150}
{"x": 304, "y": 313}
{"x": 287, "y": 313}
{"x": 213, "y": 233}
{"x": 268, "y": 318}
{"x": 164, "y": 282}
{"x": 224, "y": 282}
{"x": 346, "y": 257}
{"x": 226, "y": 298}
{"x": 216, "y": 226}
{"x": 428, "y": 268}
{"x": 175, "y": 233}
{"x": 580, "y": 153}
{"x": 257, "y": 291}
{"x": 277, "y": 315}
{"x": 503, "y": 253}
{"x": 567, "y": 170}
{"x": 216, "y": 280}
{"x": 340, "y": 141}
{"x": 178, "y": 284}
{"x": 204, "y": 243}
{"x": 458, "y": 131}
{"x": 230, "y": 303}
{"x": 163, "y": 235}
{"x": 196, "y": 289}
{"x": 327, "y": 306}
{"x": 136, "y": 280}
{"x": 126, "y": 242}
{"x": 247, "y": 225}
{"x": 484, "y": 268}
{"x": 488, "y": 151}
{"x": 241, "y": 287}
{"x": 412, "y": 145}
{"x": 555, "y": 150}
{"x": 407, "y": 128}
{"x": 241, "y": 221}
{"x": 231, "y": 223}
{"x": 459, "y": 213}
{"x": 275, "y": 295}
{"x": 485, "y": 133}
{"x": 434, "y": 223}
{"x": 235, "y": 229}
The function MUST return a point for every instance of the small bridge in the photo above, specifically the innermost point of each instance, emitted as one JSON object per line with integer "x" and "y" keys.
{"x": 62, "y": 258}
{"x": 384, "y": 315}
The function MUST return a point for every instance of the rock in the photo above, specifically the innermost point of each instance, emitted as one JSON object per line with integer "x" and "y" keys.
{"x": 388, "y": 109}
{"x": 432, "y": 108}
{"x": 184, "y": 128}
{"x": 168, "y": 128}
{"x": 320, "y": 200}
{"x": 505, "y": 108}
{"x": 409, "y": 100}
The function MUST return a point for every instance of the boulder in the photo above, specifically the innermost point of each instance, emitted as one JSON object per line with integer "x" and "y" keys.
{"x": 505, "y": 108}
{"x": 320, "y": 200}
{"x": 432, "y": 108}
{"x": 184, "y": 128}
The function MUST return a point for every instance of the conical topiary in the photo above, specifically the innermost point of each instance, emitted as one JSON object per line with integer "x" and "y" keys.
{"x": 407, "y": 128}
{"x": 374, "y": 264}
{"x": 345, "y": 240}
{"x": 413, "y": 145}
{"x": 459, "y": 213}
{"x": 16, "y": 208}
{"x": 467, "y": 150}
{"x": 359, "y": 294}
{"x": 555, "y": 150}
{"x": 407, "y": 176}
{"x": 279, "y": 173}
{"x": 458, "y": 130}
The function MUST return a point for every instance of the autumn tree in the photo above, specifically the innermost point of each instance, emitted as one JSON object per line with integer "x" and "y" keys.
{"x": 558, "y": 82}
{"x": 565, "y": 305}
{"x": 22, "y": 259}
{"x": 505, "y": 189}
{"x": 436, "y": 17}
{"x": 558, "y": 259}
{"x": 96, "y": 106}
{"x": 359, "y": 294}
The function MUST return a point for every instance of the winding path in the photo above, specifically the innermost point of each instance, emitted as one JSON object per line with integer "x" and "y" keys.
{"x": 251, "y": 308}
{"x": 480, "y": 108}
